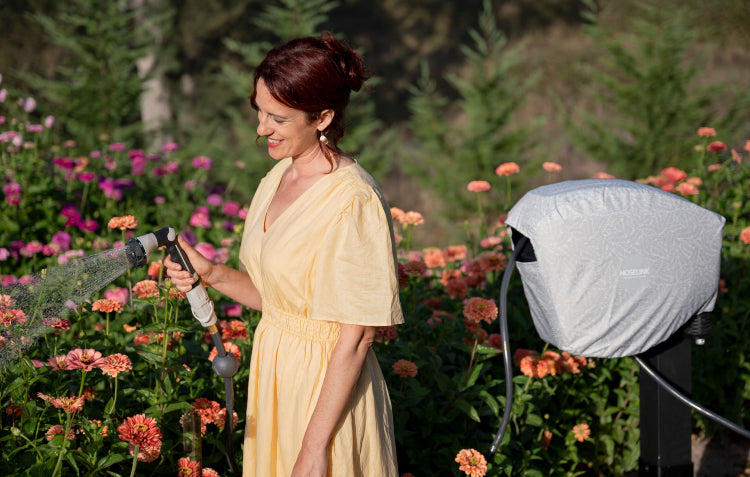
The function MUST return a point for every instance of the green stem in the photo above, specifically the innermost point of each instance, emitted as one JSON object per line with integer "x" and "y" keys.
{"x": 114, "y": 399}
{"x": 135, "y": 461}
{"x": 58, "y": 465}
{"x": 471, "y": 361}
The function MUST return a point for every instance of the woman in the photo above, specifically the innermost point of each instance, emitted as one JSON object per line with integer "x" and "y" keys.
{"x": 320, "y": 263}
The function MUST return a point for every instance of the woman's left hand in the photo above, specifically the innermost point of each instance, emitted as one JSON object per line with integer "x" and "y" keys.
{"x": 311, "y": 464}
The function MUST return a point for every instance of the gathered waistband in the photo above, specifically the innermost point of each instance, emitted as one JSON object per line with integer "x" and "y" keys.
{"x": 300, "y": 325}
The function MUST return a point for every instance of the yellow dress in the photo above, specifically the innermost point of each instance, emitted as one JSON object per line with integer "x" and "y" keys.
{"x": 327, "y": 259}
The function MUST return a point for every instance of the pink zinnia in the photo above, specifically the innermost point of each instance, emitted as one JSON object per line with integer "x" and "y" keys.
{"x": 58, "y": 362}
{"x": 478, "y": 186}
{"x": 706, "y": 132}
{"x": 85, "y": 359}
{"x": 188, "y": 468}
{"x": 507, "y": 169}
{"x": 551, "y": 167}
{"x": 716, "y": 147}
{"x": 405, "y": 368}
{"x": 140, "y": 430}
{"x": 202, "y": 162}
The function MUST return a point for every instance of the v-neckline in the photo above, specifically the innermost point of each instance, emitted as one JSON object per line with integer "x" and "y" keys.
{"x": 267, "y": 227}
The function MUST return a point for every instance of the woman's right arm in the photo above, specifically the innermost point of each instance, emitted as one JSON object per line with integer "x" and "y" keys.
{"x": 233, "y": 283}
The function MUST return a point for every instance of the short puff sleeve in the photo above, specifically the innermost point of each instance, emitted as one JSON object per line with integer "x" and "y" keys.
{"x": 356, "y": 279}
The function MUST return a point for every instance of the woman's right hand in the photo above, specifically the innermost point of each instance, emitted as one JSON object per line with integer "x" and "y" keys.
{"x": 183, "y": 279}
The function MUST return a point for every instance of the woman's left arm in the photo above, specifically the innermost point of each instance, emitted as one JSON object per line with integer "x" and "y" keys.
{"x": 344, "y": 368}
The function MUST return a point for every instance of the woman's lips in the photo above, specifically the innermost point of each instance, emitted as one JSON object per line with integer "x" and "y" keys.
{"x": 273, "y": 142}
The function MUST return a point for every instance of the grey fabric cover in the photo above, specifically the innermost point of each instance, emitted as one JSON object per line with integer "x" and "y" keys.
{"x": 620, "y": 267}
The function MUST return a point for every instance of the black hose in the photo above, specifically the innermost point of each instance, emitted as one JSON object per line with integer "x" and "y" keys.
{"x": 506, "y": 344}
{"x": 229, "y": 401}
{"x": 681, "y": 397}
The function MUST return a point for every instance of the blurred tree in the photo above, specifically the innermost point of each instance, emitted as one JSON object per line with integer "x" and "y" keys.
{"x": 96, "y": 88}
{"x": 467, "y": 139}
{"x": 649, "y": 101}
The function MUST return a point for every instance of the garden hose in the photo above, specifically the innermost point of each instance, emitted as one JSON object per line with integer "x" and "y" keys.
{"x": 517, "y": 250}
{"x": 225, "y": 364}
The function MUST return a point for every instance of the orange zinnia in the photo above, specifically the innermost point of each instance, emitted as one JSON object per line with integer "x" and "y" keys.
{"x": 412, "y": 218}
{"x": 507, "y": 168}
{"x": 472, "y": 462}
{"x": 745, "y": 235}
{"x": 480, "y": 309}
{"x": 123, "y": 223}
{"x": 106, "y": 305}
{"x": 478, "y": 186}
{"x": 581, "y": 431}
{"x": 115, "y": 364}
{"x": 552, "y": 167}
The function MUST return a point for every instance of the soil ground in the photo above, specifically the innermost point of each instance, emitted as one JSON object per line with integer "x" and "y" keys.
{"x": 721, "y": 456}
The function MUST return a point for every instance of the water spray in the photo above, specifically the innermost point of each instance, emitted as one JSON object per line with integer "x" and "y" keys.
{"x": 57, "y": 290}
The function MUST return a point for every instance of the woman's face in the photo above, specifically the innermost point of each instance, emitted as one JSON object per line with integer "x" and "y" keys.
{"x": 287, "y": 131}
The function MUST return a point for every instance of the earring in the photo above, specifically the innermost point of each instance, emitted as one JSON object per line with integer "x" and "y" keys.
{"x": 323, "y": 138}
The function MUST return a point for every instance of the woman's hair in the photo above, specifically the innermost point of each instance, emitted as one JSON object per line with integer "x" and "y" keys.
{"x": 312, "y": 74}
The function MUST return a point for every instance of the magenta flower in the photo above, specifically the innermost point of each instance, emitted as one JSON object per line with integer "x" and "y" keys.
{"x": 110, "y": 188}
{"x": 3, "y": 95}
{"x": 117, "y": 146}
{"x": 200, "y": 218}
{"x": 86, "y": 176}
{"x": 206, "y": 249}
{"x": 89, "y": 225}
{"x": 138, "y": 165}
{"x": 214, "y": 199}
{"x": 85, "y": 359}
{"x": 72, "y": 215}
{"x": 231, "y": 207}
{"x": 170, "y": 146}
{"x": 119, "y": 294}
{"x": 62, "y": 239}
{"x": 35, "y": 128}
{"x": 202, "y": 162}
{"x": 49, "y": 121}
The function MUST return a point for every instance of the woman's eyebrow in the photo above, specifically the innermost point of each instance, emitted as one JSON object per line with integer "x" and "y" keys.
{"x": 276, "y": 116}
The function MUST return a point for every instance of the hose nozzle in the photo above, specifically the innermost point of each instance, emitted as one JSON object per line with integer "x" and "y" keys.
{"x": 139, "y": 249}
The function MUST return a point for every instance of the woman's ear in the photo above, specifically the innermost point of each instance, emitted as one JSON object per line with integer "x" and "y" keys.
{"x": 325, "y": 119}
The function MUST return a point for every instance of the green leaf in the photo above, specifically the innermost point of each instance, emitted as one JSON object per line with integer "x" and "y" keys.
{"x": 468, "y": 409}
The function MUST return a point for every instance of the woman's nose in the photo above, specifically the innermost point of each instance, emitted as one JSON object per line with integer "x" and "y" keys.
{"x": 263, "y": 129}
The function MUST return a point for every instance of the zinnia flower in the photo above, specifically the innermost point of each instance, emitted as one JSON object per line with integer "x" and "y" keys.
{"x": 140, "y": 430}
{"x": 673, "y": 174}
{"x": 397, "y": 214}
{"x": 603, "y": 175}
{"x": 479, "y": 309}
{"x": 706, "y": 132}
{"x": 234, "y": 329}
{"x": 209, "y": 472}
{"x": 115, "y": 364}
{"x": 478, "y": 186}
{"x": 123, "y": 223}
{"x": 415, "y": 268}
{"x": 221, "y": 418}
{"x": 56, "y": 430}
{"x": 106, "y": 305}
{"x": 687, "y": 189}
{"x": 146, "y": 289}
{"x": 202, "y": 162}
{"x": 453, "y": 253}
{"x": 716, "y": 147}
{"x": 412, "y": 218}
{"x": 551, "y": 167}
{"x": 85, "y": 359}
{"x": 745, "y": 235}
{"x": 581, "y": 431}
{"x": 507, "y": 169}
{"x": 58, "y": 362}
{"x": 472, "y": 462}
{"x": 188, "y": 468}
{"x": 230, "y": 348}
{"x": 146, "y": 452}
{"x": 434, "y": 257}
{"x": 405, "y": 368}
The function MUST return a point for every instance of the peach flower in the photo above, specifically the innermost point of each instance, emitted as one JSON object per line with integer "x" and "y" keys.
{"x": 581, "y": 431}
{"x": 507, "y": 168}
{"x": 478, "y": 186}
{"x": 552, "y": 167}
{"x": 405, "y": 368}
{"x": 706, "y": 132}
{"x": 472, "y": 462}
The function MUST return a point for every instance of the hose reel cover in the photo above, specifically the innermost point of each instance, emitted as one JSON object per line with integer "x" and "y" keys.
{"x": 620, "y": 266}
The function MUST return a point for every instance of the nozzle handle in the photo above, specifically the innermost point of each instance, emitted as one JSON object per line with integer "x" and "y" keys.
{"x": 200, "y": 302}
